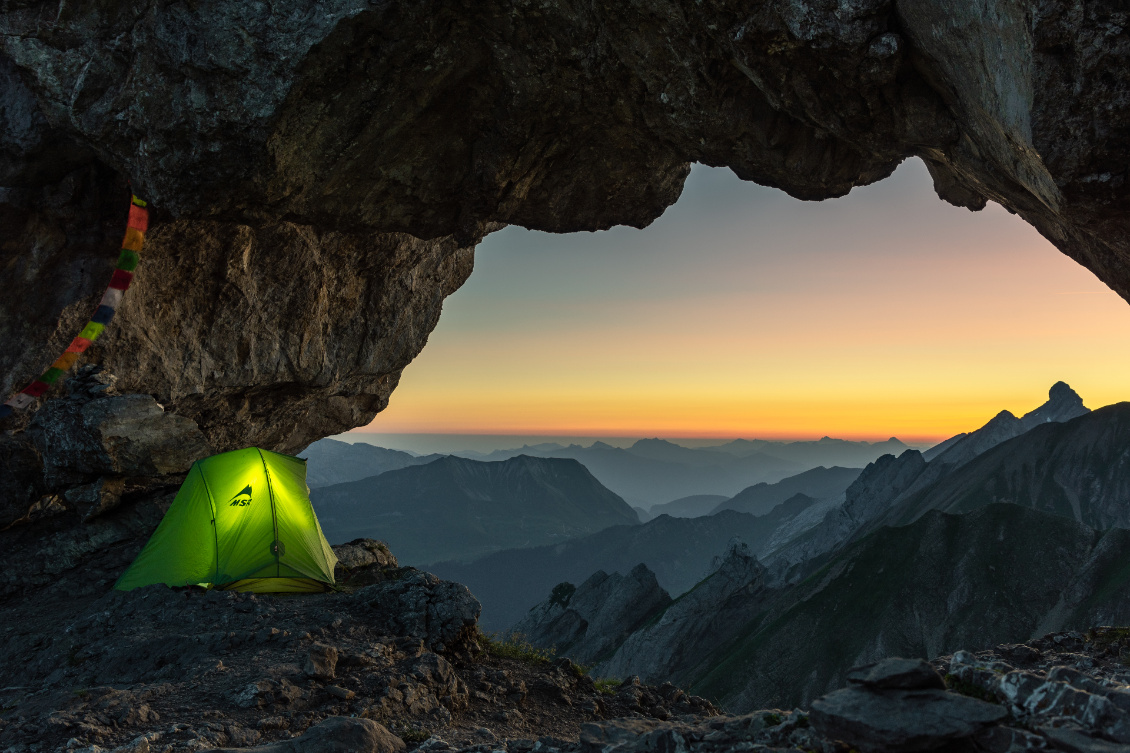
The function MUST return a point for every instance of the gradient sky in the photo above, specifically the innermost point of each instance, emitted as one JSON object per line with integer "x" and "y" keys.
{"x": 743, "y": 312}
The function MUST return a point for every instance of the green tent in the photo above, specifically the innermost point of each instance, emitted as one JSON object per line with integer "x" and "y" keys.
{"x": 241, "y": 521}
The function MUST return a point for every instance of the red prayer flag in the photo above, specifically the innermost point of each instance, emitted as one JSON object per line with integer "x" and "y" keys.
{"x": 36, "y": 388}
{"x": 79, "y": 345}
{"x": 138, "y": 218}
{"x": 121, "y": 279}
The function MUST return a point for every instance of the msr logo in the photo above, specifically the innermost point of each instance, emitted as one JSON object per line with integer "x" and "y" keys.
{"x": 243, "y": 499}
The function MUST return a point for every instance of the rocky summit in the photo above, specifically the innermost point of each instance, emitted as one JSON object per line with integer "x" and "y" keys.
{"x": 394, "y": 662}
{"x": 390, "y": 660}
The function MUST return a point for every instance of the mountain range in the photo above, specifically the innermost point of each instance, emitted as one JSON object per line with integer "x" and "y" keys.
{"x": 1010, "y": 531}
{"x": 680, "y": 551}
{"x": 687, "y": 507}
{"x": 999, "y": 574}
{"x": 895, "y": 490}
{"x": 453, "y": 508}
{"x": 816, "y": 483}
{"x": 655, "y": 471}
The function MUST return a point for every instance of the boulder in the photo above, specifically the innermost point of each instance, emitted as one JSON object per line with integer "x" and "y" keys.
{"x": 321, "y": 661}
{"x": 886, "y": 721}
{"x": 896, "y": 673}
{"x": 336, "y": 734}
{"x": 419, "y": 605}
{"x": 363, "y": 553}
{"x": 124, "y": 435}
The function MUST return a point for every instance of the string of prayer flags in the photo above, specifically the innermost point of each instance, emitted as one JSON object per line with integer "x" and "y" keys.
{"x": 136, "y": 227}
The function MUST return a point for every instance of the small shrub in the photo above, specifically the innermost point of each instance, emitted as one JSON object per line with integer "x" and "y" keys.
{"x": 802, "y": 722}
{"x": 562, "y": 593}
{"x": 772, "y": 720}
{"x": 80, "y": 692}
{"x": 414, "y": 736}
{"x": 607, "y": 685}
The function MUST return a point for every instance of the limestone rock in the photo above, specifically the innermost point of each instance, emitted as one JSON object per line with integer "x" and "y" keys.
{"x": 363, "y": 553}
{"x": 97, "y": 497}
{"x": 125, "y": 435}
{"x": 21, "y": 477}
{"x": 336, "y": 735}
{"x": 321, "y": 661}
{"x": 441, "y": 613}
{"x": 1062, "y": 694}
{"x": 901, "y": 720}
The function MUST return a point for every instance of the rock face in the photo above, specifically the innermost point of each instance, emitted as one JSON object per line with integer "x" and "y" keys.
{"x": 868, "y": 497}
{"x": 82, "y": 453}
{"x": 672, "y": 646}
{"x": 589, "y": 622}
{"x": 321, "y": 173}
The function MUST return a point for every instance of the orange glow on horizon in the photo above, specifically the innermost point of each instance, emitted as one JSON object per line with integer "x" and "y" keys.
{"x": 885, "y": 313}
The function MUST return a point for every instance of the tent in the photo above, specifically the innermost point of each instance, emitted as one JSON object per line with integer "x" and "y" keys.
{"x": 241, "y": 521}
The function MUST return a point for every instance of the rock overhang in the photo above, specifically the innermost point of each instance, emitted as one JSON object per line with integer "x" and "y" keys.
{"x": 334, "y": 164}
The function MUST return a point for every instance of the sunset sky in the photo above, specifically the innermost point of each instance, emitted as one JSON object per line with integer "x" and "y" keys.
{"x": 743, "y": 312}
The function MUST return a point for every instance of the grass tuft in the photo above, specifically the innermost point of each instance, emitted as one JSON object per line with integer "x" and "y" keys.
{"x": 515, "y": 646}
{"x": 607, "y": 685}
{"x": 414, "y": 736}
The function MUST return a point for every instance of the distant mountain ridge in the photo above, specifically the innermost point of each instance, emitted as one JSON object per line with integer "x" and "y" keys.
{"x": 1063, "y": 404}
{"x": 874, "y": 499}
{"x": 661, "y": 473}
{"x": 453, "y": 508}
{"x": 329, "y": 461}
{"x": 1079, "y": 469}
{"x": 680, "y": 551}
{"x": 817, "y": 483}
{"x": 825, "y": 451}
{"x": 689, "y": 507}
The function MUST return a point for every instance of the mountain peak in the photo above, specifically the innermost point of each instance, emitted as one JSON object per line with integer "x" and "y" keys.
{"x": 1063, "y": 404}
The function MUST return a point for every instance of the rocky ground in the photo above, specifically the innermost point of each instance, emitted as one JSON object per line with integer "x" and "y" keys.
{"x": 395, "y": 661}
{"x": 189, "y": 669}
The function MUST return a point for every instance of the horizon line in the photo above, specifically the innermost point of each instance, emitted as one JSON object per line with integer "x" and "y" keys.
{"x": 727, "y": 437}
